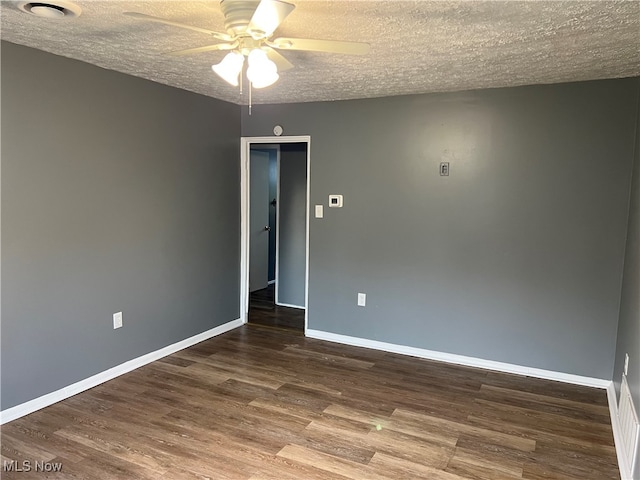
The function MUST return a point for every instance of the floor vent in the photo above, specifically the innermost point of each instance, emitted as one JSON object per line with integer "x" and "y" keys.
{"x": 629, "y": 426}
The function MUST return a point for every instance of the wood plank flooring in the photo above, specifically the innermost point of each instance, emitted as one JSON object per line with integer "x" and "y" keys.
{"x": 262, "y": 403}
{"x": 264, "y": 311}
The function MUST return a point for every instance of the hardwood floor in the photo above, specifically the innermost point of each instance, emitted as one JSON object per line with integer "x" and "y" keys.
{"x": 261, "y": 403}
{"x": 264, "y": 311}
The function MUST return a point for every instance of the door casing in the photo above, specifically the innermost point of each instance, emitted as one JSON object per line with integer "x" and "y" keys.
{"x": 245, "y": 156}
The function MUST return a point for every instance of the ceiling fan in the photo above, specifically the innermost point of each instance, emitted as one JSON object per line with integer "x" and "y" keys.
{"x": 250, "y": 25}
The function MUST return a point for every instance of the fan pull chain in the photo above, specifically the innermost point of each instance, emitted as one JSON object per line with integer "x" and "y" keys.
{"x": 249, "y": 98}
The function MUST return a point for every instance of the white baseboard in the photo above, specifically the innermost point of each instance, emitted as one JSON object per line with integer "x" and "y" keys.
{"x": 49, "y": 399}
{"x": 623, "y": 464}
{"x": 459, "y": 359}
{"x": 289, "y": 305}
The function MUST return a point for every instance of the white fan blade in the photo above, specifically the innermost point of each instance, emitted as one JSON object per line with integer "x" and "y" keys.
{"x": 207, "y": 48}
{"x": 281, "y": 62}
{"x": 329, "y": 46}
{"x": 268, "y": 15}
{"x": 142, "y": 16}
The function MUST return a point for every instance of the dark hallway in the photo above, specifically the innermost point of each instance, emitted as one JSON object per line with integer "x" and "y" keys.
{"x": 264, "y": 311}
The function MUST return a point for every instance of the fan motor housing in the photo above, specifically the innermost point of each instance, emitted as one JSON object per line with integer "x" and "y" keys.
{"x": 237, "y": 14}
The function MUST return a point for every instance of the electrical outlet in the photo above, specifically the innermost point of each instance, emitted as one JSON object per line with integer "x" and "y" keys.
{"x": 444, "y": 169}
{"x": 626, "y": 363}
{"x": 362, "y": 299}
{"x": 117, "y": 320}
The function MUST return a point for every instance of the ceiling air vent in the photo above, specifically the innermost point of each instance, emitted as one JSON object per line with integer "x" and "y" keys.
{"x": 53, "y": 9}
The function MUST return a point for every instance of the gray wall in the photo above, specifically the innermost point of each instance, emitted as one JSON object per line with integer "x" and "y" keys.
{"x": 629, "y": 324}
{"x": 516, "y": 257}
{"x": 117, "y": 194}
{"x": 292, "y": 229}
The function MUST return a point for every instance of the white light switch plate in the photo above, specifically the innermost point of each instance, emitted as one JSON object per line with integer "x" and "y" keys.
{"x": 362, "y": 299}
{"x": 117, "y": 320}
{"x": 319, "y": 211}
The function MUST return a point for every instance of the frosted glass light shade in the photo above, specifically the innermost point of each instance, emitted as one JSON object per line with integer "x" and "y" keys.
{"x": 262, "y": 72}
{"x": 230, "y": 67}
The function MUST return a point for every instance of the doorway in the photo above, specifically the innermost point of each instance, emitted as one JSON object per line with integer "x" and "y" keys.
{"x": 275, "y": 264}
{"x": 263, "y": 210}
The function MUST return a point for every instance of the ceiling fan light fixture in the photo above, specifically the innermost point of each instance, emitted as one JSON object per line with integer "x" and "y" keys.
{"x": 264, "y": 79}
{"x": 262, "y": 72}
{"x": 250, "y": 25}
{"x": 230, "y": 67}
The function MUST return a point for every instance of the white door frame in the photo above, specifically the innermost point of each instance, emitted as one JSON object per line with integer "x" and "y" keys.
{"x": 245, "y": 147}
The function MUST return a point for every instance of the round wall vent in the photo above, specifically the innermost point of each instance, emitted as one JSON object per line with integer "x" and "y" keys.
{"x": 53, "y": 9}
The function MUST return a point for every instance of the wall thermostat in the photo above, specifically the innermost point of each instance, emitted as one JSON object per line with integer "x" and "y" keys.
{"x": 335, "y": 201}
{"x": 277, "y": 130}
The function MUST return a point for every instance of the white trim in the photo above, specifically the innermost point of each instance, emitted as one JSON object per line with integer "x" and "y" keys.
{"x": 50, "y": 398}
{"x": 306, "y": 278}
{"x": 245, "y": 146}
{"x": 459, "y": 359}
{"x": 244, "y": 225}
{"x": 271, "y": 282}
{"x": 623, "y": 464}
{"x": 280, "y": 304}
{"x": 277, "y": 289}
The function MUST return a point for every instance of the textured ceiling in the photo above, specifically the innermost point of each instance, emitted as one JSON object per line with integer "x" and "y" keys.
{"x": 416, "y": 46}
